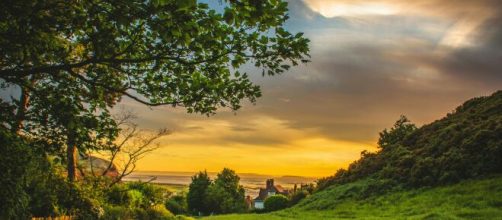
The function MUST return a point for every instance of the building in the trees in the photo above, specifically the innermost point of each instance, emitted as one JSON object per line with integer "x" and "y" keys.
{"x": 270, "y": 190}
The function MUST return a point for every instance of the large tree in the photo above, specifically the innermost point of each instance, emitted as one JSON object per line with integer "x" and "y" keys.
{"x": 72, "y": 60}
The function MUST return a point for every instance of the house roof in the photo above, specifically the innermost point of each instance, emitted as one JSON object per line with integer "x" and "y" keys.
{"x": 280, "y": 189}
{"x": 263, "y": 194}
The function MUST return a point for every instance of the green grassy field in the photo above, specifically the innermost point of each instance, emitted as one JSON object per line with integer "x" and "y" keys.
{"x": 471, "y": 199}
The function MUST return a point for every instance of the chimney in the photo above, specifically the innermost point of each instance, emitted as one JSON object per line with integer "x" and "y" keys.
{"x": 270, "y": 183}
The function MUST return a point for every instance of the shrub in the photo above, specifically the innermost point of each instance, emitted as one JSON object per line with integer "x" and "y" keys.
{"x": 159, "y": 212}
{"x": 14, "y": 160}
{"x": 177, "y": 204}
{"x": 117, "y": 212}
{"x": 297, "y": 197}
{"x": 276, "y": 202}
{"x": 151, "y": 193}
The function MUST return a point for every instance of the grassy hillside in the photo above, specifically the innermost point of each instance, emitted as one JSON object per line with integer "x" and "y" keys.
{"x": 470, "y": 199}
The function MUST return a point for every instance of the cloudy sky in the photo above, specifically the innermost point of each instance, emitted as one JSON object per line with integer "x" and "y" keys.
{"x": 371, "y": 62}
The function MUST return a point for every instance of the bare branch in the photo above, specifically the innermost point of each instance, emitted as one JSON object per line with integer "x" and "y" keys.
{"x": 133, "y": 146}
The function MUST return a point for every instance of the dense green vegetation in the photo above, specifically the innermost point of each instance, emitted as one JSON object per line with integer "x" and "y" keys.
{"x": 466, "y": 143}
{"x": 471, "y": 199}
{"x": 223, "y": 195}
{"x": 410, "y": 176}
{"x": 276, "y": 202}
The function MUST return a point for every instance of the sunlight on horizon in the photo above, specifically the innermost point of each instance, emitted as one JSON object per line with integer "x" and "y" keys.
{"x": 310, "y": 157}
{"x": 332, "y": 9}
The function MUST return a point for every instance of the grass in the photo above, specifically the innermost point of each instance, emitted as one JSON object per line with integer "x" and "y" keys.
{"x": 175, "y": 188}
{"x": 471, "y": 199}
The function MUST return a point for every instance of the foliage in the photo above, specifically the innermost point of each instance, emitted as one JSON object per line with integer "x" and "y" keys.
{"x": 177, "y": 204}
{"x": 13, "y": 198}
{"x": 465, "y": 144}
{"x": 159, "y": 212}
{"x": 276, "y": 202}
{"x": 224, "y": 195}
{"x": 136, "y": 195}
{"x": 112, "y": 48}
{"x": 297, "y": 196}
{"x": 197, "y": 193}
{"x": 34, "y": 184}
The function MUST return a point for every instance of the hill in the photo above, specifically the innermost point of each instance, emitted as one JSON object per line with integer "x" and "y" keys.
{"x": 447, "y": 169}
{"x": 467, "y": 143}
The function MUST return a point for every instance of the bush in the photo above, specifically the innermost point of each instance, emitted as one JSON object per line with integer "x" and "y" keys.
{"x": 297, "y": 197}
{"x": 276, "y": 202}
{"x": 117, "y": 212}
{"x": 14, "y": 161}
{"x": 151, "y": 194}
{"x": 159, "y": 212}
{"x": 177, "y": 204}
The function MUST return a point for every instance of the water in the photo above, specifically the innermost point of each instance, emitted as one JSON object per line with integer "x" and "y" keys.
{"x": 251, "y": 182}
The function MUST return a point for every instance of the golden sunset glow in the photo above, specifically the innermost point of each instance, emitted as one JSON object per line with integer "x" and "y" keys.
{"x": 302, "y": 153}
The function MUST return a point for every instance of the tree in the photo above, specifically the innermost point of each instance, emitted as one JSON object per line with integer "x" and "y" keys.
{"x": 402, "y": 128}
{"x": 197, "y": 193}
{"x": 226, "y": 195}
{"x": 80, "y": 58}
{"x": 276, "y": 202}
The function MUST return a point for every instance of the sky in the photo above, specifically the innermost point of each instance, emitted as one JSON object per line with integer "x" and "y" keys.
{"x": 372, "y": 61}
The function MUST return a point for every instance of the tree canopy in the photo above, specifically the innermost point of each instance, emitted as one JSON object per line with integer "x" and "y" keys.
{"x": 159, "y": 52}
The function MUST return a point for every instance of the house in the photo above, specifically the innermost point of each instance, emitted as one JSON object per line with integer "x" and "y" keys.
{"x": 270, "y": 190}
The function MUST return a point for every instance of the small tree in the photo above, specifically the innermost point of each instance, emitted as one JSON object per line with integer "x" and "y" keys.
{"x": 402, "y": 128}
{"x": 197, "y": 193}
{"x": 276, "y": 202}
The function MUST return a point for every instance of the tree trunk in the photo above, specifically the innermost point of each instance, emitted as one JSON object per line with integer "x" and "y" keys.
{"x": 24, "y": 101}
{"x": 71, "y": 153}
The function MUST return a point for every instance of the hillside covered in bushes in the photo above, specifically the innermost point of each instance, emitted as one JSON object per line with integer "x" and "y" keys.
{"x": 466, "y": 143}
